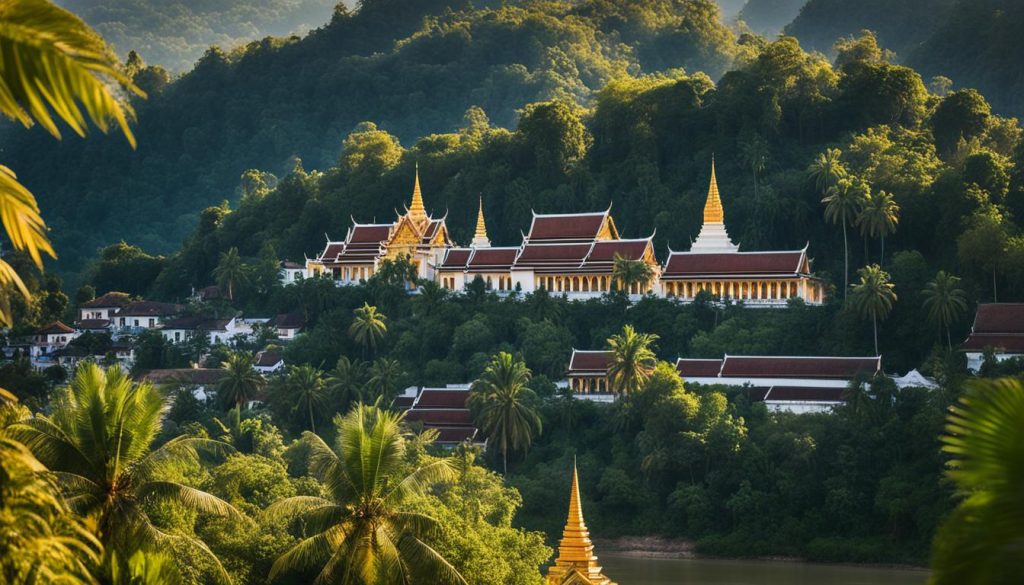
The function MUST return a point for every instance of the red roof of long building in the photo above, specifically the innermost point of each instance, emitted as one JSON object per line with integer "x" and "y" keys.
{"x": 695, "y": 368}
{"x": 542, "y": 254}
{"x": 1002, "y": 343}
{"x": 453, "y": 435}
{"x": 440, "y": 417}
{"x": 689, "y": 265}
{"x": 606, "y": 250}
{"x": 492, "y": 258}
{"x": 584, "y": 362}
{"x": 999, "y": 318}
{"x": 368, "y": 234}
{"x": 799, "y": 367}
{"x": 456, "y": 258}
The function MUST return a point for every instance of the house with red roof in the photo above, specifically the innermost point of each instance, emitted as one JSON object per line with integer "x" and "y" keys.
{"x": 998, "y": 327}
{"x": 444, "y": 410}
{"x": 797, "y": 384}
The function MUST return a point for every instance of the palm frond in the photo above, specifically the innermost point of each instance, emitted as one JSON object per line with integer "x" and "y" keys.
{"x": 427, "y": 564}
{"x": 310, "y": 551}
{"x": 293, "y": 506}
{"x": 191, "y": 498}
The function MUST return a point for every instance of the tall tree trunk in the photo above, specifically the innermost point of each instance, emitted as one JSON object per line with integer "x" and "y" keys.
{"x": 312, "y": 425}
{"x": 949, "y": 340}
{"x": 881, "y": 259}
{"x": 874, "y": 325}
{"x": 846, "y": 263}
{"x": 504, "y": 461}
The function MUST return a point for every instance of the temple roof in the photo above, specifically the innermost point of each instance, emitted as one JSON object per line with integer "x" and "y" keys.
{"x": 440, "y": 416}
{"x": 456, "y": 259}
{"x": 1004, "y": 343}
{"x": 480, "y": 239}
{"x": 570, "y": 227}
{"x": 539, "y": 255}
{"x": 695, "y": 368}
{"x": 606, "y": 250}
{"x": 818, "y": 367}
{"x": 736, "y": 264}
{"x": 999, "y": 318}
{"x": 442, "y": 398}
{"x": 588, "y": 362}
{"x": 484, "y": 259}
{"x": 575, "y": 550}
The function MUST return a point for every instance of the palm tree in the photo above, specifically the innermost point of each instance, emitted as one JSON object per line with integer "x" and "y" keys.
{"x": 368, "y": 327}
{"x": 364, "y": 532}
{"x": 346, "y": 381}
{"x": 842, "y": 205}
{"x": 873, "y": 296}
{"x": 827, "y": 170}
{"x": 230, "y": 272}
{"x": 632, "y": 359}
{"x": 240, "y": 382}
{"x": 980, "y": 542}
{"x": 878, "y": 218}
{"x": 97, "y": 442}
{"x": 57, "y": 65}
{"x": 307, "y": 389}
{"x": 40, "y": 540}
{"x": 627, "y": 272}
{"x": 385, "y": 374}
{"x": 945, "y": 301}
{"x": 755, "y": 155}
{"x": 500, "y": 401}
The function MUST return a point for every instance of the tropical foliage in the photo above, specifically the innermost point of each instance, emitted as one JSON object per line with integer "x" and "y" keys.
{"x": 502, "y": 405}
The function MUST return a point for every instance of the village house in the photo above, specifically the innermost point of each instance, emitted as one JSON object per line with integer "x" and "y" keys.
{"x": 138, "y": 316}
{"x": 48, "y": 339}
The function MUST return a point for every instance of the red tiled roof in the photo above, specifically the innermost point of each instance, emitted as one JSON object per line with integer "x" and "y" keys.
{"x": 605, "y": 250}
{"x": 548, "y": 253}
{"x": 402, "y": 402}
{"x": 440, "y": 417}
{"x": 456, "y": 258}
{"x": 493, "y": 257}
{"x": 291, "y": 265}
{"x": 802, "y": 394}
{"x": 692, "y": 368}
{"x": 367, "y": 234}
{"x": 453, "y": 435}
{"x": 686, "y": 264}
{"x": 999, "y": 318}
{"x": 54, "y": 328}
{"x": 1003, "y": 343}
{"x": 799, "y": 367}
{"x": 584, "y": 226}
{"x": 288, "y": 321}
{"x": 332, "y": 250}
{"x": 584, "y": 362}
{"x": 266, "y": 359}
{"x": 111, "y": 299}
{"x": 442, "y": 398}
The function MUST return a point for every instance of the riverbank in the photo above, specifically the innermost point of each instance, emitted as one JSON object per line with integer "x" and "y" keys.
{"x": 655, "y": 547}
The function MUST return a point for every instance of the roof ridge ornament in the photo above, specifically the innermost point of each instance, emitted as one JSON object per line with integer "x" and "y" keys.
{"x": 416, "y": 208}
{"x": 713, "y": 212}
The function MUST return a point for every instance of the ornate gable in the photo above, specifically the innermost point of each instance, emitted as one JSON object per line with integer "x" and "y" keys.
{"x": 608, "y": 230}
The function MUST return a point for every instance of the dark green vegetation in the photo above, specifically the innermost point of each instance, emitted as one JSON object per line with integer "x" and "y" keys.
{"x": 174, "y": 34}
{"x": 769, "y": 17}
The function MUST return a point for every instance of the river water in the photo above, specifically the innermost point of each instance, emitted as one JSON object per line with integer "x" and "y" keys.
{"x": 643, "y": 571}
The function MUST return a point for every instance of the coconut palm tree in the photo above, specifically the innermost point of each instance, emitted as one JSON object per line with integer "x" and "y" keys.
{"x": 56, "y": 67}
{"x": 385, "y": 375}
{"x": 230, "y": 272}
{"x": 632, "y": 359}
{"x": 40, "y": 540}
{"x": 626, "y": 272}
{"x": 97, "y": 443}
{"x": 307, "y": 390}
{"x": 500, "y": 401}
{"x": 980, "y": 542}
{"x": 946, "y": 302}
{"x": 754, "y": 153}
{"x": 241, "y": 382}
{"x": 873, "y": 296}
{"x": 346, "y": 381}
{"x": 364, "y": 532}
{"x": 368, "y": 327}
{"x": 843, "y": 203}
{"x": 827, "y": 170}
{"x": 878, "y": 218}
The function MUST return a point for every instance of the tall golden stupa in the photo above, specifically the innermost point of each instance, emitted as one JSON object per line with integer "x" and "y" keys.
{"x": 576, "y": 563}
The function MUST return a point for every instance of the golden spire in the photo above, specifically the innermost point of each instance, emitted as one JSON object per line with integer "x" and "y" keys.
{"x": 575, "y": 550}
{"x": 713, "y": 212}
{"x": 416, "y": 209}
{"x": 481, "y": 228}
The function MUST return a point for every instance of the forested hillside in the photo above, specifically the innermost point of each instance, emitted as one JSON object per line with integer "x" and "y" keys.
{"x": 900, "y": 26}
{"x": 769, "y": 17}
{"x": 414, "y": 68}
{"x": 174, "y": 33}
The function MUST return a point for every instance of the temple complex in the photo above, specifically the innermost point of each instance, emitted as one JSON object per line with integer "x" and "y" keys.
{"x": 415, "y": 234}
{"x": 576, "y": 563}
{"x": 716, "y": 265}
{"x": 588, "y": 371}
{"x": 999, "y": 328}
{"x": 571, "y": 255}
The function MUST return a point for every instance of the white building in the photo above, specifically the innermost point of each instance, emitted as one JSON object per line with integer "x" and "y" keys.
{"x": 46, "y": 340}
{"x": 138, "y": 316}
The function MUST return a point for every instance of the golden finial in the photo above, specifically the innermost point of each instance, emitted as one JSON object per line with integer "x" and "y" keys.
{"x": 713, "y": 212}
{"x": 481, "y": 228}
{"x": 416, "y": 209}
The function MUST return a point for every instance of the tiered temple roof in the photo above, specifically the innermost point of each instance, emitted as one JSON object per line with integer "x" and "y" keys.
{"x": 587, "y": 363}
{"x": 576, "y": 561}
{"x": 999, "y": 326}
{"x": 445, "y": 410}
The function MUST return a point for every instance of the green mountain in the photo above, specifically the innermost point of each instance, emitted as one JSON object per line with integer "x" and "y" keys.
{"x": 412, "y": 66}
{"x": 769, "y": 17}
{"x": 900, "y": 26}
{"x": 175, "y": 33}
{"x": 980, "y": 45}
